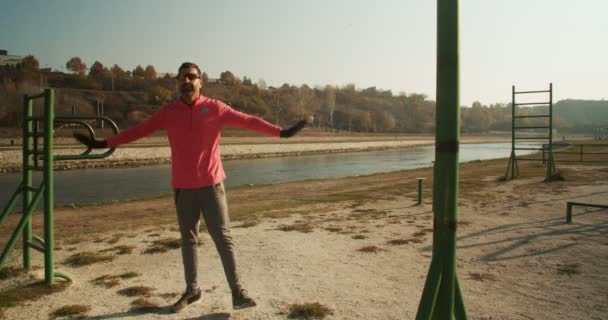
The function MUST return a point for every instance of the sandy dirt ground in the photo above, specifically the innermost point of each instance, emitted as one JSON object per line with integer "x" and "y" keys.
{"x": 360, "y": 246}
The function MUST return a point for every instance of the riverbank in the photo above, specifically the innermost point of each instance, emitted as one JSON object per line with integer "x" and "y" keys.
{"x": 155, "y": 150}
{"x": 359, "y": 246}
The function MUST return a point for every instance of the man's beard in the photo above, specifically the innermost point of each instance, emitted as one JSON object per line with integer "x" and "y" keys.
{"x": 187, "y": 89}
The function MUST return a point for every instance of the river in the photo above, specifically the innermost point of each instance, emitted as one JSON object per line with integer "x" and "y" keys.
{"x": 86, "y": 186}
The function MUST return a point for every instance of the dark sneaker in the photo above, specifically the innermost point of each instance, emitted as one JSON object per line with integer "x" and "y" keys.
{"x": 188, "y": 298}
{"x": 241, "y": 300}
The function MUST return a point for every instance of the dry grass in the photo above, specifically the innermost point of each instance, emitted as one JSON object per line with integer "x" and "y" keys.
{"x": 478, "y": 276}
{"x": 70, "y": 311}
{"x": 144, "y": 305}
{"x": 569, "y": 269}
{"x": 248, "y": 224}
{"x": 17, "y": 296}
{"x": 309, "y": 310}
{"x": 120, "y": 250}
{"x": 136, "y": 291}
{"x": 11, "y": 272}
{"x": 370, "y": 249}
{"x": 301, "y": 227}
{"x": 163, "y": 245}
{"x": 398, "y": 242}
{"x": 110, "y": 281}
{"x": 86, "y": 258}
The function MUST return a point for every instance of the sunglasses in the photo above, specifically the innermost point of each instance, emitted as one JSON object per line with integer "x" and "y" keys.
{"x": 189, "y": 76}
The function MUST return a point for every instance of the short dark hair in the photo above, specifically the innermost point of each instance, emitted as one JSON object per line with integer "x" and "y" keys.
{"x": 187, "y": 65}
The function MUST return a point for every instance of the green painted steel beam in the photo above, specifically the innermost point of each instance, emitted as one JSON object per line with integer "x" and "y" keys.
{"x": 442, "y": 274}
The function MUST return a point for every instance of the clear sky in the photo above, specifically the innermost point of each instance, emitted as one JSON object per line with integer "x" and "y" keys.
{"x": 389, "y": 44}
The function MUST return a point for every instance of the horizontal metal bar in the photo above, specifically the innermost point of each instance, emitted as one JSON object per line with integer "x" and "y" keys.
{"x": 528, "y": 159}
{"x": 34, "y": 96}
{"x": 531, "y": 127}
{"x": 530, "y": 103}
{"x": 535, "y": 116}
{"x": 537, "y": 138}
{"x": 539, "y": 149}
{"x": 540, "y": 91}
{"x": 35, "y": 246}
{"x": 34, "y": 189}
{"x": 588, "y": 204}
{"x": 579, "y": 161}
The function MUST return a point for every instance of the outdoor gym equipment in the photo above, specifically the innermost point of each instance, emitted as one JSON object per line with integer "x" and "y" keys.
{"x": 31, "y": 195}
{"x": 532, "y": 133}
{"x": 441, "y": 297}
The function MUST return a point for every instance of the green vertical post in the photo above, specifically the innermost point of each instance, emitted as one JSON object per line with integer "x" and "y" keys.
{"x": 550, "y": 164}
{"x": 513, "y": 166}
{"x": 49, "y": 119}
{"x": 420, "y": 190}
{"x": 569, "y": 212}
{"x": 439, "y": 297}
{"x": 26, "y": 194}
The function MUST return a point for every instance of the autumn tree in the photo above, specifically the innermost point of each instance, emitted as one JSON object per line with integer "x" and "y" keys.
{"x": 139, "y": 72}
{"x": 30, "y": 63}
{"x": 150, "y": 72}
{"x": 98, "y": 71}
{"x": 118, "y": 72}
{"x": 76, "y": 65}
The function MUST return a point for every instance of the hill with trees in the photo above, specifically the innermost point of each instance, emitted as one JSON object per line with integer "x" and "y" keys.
{"x": 129, "y": 96}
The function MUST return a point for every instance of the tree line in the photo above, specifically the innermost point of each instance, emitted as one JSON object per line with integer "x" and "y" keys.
{"x": 129, "y": 96}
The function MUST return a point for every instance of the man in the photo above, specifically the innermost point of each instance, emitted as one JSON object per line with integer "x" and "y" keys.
{"x": 193, "y": 124}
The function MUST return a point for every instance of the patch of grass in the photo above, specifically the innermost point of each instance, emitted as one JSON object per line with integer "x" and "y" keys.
{"x": 115, "y": 238}
{"x": 309, "y": 310}
{"x": 359, "y": 237}
{"x": 86, "y": 258}
{"x": 17, "y": 296}
{"x": 481, "y": 276}
{"x": 333, "y": 229}
{"x": 70, "y": 311}
{"x": 370, "y": 249}
{"x": 398, "y": 242}
{"x": 163, "y": 245}
{"x": 248, "y": 224}
{"x": 302, "y": 227}
{"x": 136, "y": 291}
{"x": 569, "y": 269}
{"x": 10, "y": 272}
{"x": 144, "y": 305}
{"x": 106, "y": 281}
{"x": 109, "y": 281}
{"x": 120, "y": 250}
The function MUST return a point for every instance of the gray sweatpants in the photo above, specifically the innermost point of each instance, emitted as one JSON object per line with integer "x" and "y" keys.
{"x": 211, "y": 201}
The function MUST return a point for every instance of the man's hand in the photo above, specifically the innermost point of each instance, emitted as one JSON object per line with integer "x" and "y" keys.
{"x": 90, "y": 142}
{"x": 291, "y": 131}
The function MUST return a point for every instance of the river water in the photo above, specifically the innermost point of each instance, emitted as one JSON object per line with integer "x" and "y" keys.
{"x": 115, "y": 184}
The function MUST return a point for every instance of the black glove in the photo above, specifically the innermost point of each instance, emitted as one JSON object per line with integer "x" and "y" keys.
{"x": 291, "y": 131}
{"x": 90, "y": 142}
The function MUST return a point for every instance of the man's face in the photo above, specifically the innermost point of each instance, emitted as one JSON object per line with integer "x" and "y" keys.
{"x": 190, "y": 82}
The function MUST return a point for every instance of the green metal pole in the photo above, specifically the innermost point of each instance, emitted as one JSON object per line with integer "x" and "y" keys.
{"x": 550, "y": 164}
{"x": 512, "y": 132}
{"x": 26, "y": 194}
{"x": 445, "y": 184}
{"x": 420, "y": 190}
{"x": 49, "y": 259}
{"x": 569, "y": 212}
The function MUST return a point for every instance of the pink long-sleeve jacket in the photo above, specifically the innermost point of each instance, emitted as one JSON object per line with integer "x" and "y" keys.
{"x": 194, "y": 135}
